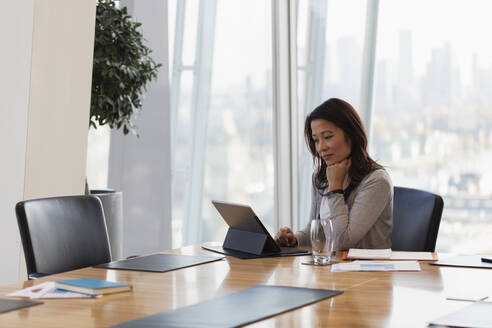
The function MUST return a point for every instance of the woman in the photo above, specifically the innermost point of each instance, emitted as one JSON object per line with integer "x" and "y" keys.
{"x": 349, "y": 187}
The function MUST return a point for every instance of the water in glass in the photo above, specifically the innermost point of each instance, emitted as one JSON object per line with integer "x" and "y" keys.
{"x": 322, "y": 241}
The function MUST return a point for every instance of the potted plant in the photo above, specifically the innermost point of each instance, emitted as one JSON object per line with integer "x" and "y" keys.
{"x": 122, "y": 69}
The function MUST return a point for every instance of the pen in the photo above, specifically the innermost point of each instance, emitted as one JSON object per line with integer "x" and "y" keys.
{"x": 487, "y": 259}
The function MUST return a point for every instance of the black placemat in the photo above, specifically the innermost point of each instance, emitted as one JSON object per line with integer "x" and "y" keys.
{"x": 10, "y": 305}
{"x": 159, "y": 262}
{"x": 236, "y": 309}
{"x": 471, "y": 261}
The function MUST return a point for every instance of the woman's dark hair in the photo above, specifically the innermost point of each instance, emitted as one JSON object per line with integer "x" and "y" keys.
{"x": 344, "y": 116}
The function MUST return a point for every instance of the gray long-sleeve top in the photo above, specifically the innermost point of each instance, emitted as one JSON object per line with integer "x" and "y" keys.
{"x": 366, "y": 221}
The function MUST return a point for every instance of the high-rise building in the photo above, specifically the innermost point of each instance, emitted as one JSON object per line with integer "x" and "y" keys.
{"x": 349, "y": 69}
{"x": 382, "y": 84}
{"x": 405, "y": 89}
{"x": 437, "y": 84}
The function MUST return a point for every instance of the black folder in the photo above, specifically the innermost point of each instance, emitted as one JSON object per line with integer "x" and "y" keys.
{"x": 232, "y": 310}
{"x": 471, "y": 261}
{"x": 10, "y": 305}
{"x": 247, "y": 237}
{"x": 158, "y": 262}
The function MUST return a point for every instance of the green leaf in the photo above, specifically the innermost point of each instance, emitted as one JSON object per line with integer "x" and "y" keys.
{"x": 122, "y": 68}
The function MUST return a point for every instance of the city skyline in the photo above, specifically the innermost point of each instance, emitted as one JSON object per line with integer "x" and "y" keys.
{"x": 431, "y": 117}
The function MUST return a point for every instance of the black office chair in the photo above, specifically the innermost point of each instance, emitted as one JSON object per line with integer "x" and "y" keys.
{"x": 62, "y": 233}
{"x": 416, "y": 219}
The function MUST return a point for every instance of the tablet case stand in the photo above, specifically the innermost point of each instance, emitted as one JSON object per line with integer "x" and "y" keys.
{"x": 250, "y": 245}
{"x": 247, "y": 241}
{"x": 247, "y": 237}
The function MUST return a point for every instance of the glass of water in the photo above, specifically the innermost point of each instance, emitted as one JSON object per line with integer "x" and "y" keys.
{"x": 321, "y": 241}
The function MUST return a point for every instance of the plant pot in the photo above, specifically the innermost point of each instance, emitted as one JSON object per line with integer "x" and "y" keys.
{"x": 112, "y": 202}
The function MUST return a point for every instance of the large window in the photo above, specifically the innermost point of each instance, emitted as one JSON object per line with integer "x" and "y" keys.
{"x": 221, "y": 113}
{"x": 431, "y": 122}
{"x": 329, "y": 43}
{"x": 433, "y": 110}
{"x": 430, "y": 97}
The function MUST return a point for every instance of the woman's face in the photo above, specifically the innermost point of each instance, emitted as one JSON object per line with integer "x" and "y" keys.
{"x": 330, "y": 141}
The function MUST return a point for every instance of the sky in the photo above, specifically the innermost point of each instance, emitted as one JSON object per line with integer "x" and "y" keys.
{"x": 465, "y": 24}
{"x": 243, "y": 35}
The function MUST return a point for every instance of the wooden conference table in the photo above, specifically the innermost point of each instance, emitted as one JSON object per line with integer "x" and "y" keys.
{"x": 375, "y": 299}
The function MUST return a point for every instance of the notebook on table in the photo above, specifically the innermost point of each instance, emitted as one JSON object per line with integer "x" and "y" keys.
{"x": 92, "y": 286}
{"x": 247, "y": 237}
{"x": 387, "y": 254}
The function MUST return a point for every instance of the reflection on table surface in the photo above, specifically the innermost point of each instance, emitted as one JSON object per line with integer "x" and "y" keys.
{"x": 392, "y": 299}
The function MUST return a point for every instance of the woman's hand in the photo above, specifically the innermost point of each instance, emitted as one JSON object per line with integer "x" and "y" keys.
{"x": 335, "y": 174}
{"x": 285, "y": 237}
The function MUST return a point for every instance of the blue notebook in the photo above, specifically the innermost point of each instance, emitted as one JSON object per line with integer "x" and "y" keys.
{"x": 92, "y": 286}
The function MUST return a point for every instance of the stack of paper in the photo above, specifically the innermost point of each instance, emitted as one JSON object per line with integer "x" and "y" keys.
{"x": 369, "y": 254}
{"x": 48, "y": 290}
{"x": 422, "y": 256}
{"x": 388, "y": 254}
{"x": 376, "y": 266}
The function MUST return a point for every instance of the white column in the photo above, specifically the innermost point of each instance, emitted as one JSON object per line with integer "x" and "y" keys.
{"x": 314, "y": 96}
{"x": 59, "y": 97}
{"x": 368, "y": 60}
{"x": 141, "y": 167}
{"x": 284, "y": 100}
{"x": 46, "y": 78}
{"x": 200, "y": 103}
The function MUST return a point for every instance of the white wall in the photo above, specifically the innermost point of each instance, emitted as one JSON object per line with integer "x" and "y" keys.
{"x": 16, "y": 22}
{"x": 61, "y": 74}
{"x": 46, "y": 65}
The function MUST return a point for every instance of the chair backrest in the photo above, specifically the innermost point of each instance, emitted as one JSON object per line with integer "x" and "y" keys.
{"x": 62, "y": 233}
{"x": 416, "y": 219}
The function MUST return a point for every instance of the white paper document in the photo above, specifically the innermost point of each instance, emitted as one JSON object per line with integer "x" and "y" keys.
{"x": 423, "y": 256}
{"x": 388, "y": 254}
{"x": 376, "y": 266}
{"x": 475, "y": 315}
{"x": 47, "y": 290}
{"x": 468, "y": 296}
{"x": 369, "y": 254}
